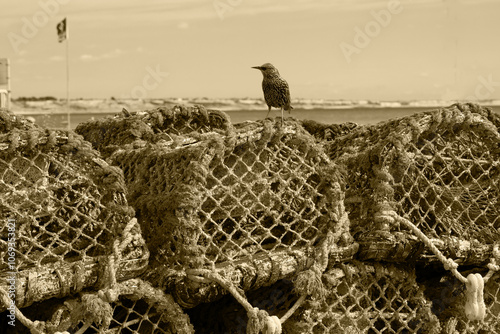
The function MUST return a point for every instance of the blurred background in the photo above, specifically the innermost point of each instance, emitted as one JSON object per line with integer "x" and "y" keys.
{"x": 357, "y": 60}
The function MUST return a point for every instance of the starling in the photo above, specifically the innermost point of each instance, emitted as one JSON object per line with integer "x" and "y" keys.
{"x": 276, "y": 91}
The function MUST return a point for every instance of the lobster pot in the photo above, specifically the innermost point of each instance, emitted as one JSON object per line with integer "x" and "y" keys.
{"x": 365, "y": 298}
{"x": 383, "y": 298}
{"x": 62, "y": 207}
{"x": 439, "y": 169}
{"x": 224, "y": 198}
{"x": 150, "y": 126}
{"x": 227, "y": 316}
{"x": 361, "y": 298}
{"x": 140, "y": 308}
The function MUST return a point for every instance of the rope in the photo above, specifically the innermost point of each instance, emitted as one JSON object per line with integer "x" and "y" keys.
{"x": 259, "y": 320}
{"x": 307, "y": 282}
{"x": 35, "y": 327}
{"x": 475, "y": 308}
{"x": 493, "y": 266}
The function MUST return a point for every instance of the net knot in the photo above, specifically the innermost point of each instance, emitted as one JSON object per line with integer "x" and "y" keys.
{"x": 475, "y": 309}
{"x": 95, "y": 310}
{"x": 253, "y": 325}
{"x": 272, "y": 325}
{"x": 449, "y": 264}
{"x": 38, "y": 327}
{"x": 308, "y": 282}
{"x": 496, "y": 252}
{"x": 387, "y": 217}
{"x": 261, "y": 322}
{"x": 493, "y": 266}
{"x": 108, "y": 295}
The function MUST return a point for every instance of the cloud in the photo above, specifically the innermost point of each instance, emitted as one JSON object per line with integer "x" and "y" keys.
{"x": 108, "y": 55}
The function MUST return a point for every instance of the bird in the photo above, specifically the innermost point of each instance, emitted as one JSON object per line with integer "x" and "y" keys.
{"x": 276, "y": 90}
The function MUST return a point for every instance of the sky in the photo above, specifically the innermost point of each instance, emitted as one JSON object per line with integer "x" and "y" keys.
{"x": 325, "y": 49}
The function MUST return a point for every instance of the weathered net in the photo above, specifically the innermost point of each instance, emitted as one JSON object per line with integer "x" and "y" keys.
{"x": 294, "y": 228}
{"x": 66, "y": 202}
{"x": 208, "y": 197}
{"x": 219, "y": 200}
{"x": 368, "y": 298}
{"x": 439, "y": 169}
{"x": 432, "y": 178}
{"x": 68, "y": 234}
{"x": 245, "y": 206}
{"x": 151, "y": 126}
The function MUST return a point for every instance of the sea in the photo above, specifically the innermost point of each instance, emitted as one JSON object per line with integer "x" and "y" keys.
{"x": 359, "y": 114}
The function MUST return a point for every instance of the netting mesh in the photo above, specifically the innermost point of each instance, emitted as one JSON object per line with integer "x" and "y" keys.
{"x": 222, "y": 198}
{"x": 65, "y": 202}
{"x": 448, "y": 298}
{"x": 369, "y": 299}
{"x": 152, "y": 126}
{"x": 66, "y": 222}
{"x": 256, "y": 227}
{"x": 439, "y": 169}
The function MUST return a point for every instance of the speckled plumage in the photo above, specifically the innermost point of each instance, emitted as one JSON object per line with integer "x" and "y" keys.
{"x": 275, "y": 88}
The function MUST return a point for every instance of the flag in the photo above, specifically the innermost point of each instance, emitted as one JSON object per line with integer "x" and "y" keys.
{"x": 62, "y": 31}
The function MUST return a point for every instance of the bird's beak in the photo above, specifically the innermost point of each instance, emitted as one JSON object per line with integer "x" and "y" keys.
{"x": 257, "y": 67}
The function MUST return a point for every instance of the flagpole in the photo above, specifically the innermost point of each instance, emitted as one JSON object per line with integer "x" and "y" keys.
{"x": 67, "y": 77}
{"x": 8, "y": 84}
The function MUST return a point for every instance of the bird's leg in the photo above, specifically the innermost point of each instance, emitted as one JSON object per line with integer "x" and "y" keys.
{"x": 281, "y": 116}
{"x": 268, "y": 111}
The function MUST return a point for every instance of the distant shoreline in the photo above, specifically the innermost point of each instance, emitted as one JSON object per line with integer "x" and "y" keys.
{"x": 25, "y": 106}
{"x": 295, "y": 110}
{"x": 359, "y": 115}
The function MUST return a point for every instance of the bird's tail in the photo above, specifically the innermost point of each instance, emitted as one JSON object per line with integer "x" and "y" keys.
{"x": 290, "y": 109}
